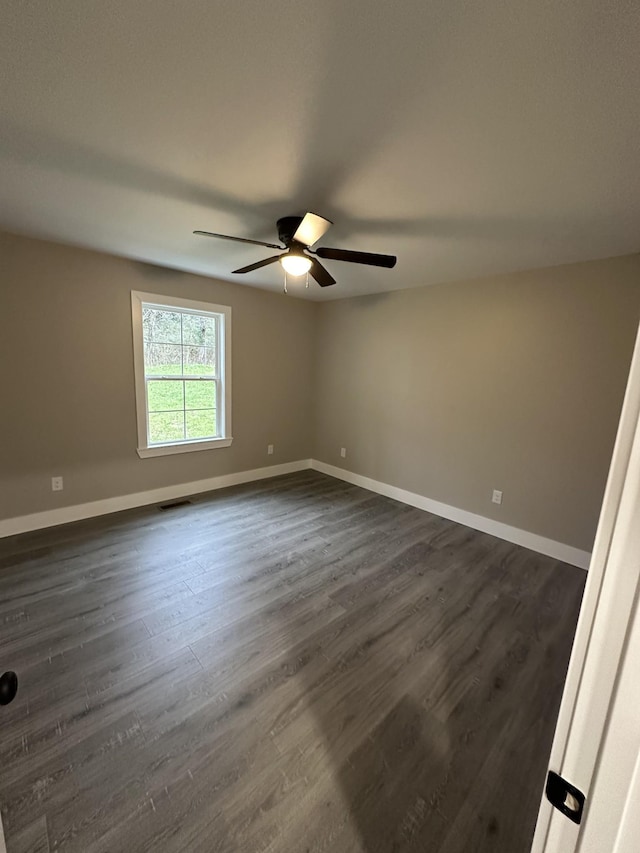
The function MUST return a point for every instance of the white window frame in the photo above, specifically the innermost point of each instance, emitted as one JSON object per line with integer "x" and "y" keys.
{"x": 223, "y": 343}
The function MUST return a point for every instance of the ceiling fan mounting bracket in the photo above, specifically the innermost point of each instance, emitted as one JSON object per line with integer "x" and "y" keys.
{"x": 287, "y": 227}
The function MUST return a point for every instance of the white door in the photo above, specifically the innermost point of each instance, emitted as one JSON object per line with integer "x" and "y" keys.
{"x": 596, "y": 694}
{"x": 613, "y": 819}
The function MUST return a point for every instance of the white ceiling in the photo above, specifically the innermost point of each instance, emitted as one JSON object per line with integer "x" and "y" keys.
{"x": 469, "y": 138}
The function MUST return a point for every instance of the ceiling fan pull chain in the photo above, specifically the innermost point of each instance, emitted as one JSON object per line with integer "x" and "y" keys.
{"x": 285, "y": 282}
{"x": 307, "y": 284}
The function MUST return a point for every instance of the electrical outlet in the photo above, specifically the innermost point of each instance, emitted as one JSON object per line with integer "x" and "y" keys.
{"x": 343, "y": 452}
{"x": 57, "y": 484}
{"x": 269, "y": 449}
{"x": 497, "y": 496}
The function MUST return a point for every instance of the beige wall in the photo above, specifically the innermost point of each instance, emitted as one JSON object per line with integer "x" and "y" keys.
{"x": 67, "y": 403}
{"x": 449, "y": 391}
{"x": 514, "y": 383}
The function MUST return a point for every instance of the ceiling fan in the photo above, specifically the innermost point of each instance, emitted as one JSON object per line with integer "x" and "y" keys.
{"x": 299, "y": 233}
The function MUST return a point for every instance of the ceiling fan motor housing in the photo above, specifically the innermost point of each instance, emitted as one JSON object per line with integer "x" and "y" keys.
{"x": 287, "y": 227}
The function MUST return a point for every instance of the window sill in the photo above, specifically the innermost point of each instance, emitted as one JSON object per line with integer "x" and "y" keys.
{"x": 186, "y": 447}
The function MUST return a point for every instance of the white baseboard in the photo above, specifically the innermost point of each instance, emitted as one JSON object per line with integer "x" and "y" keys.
{"x": 549, "y": 547}
{"x": 63, "y": 515}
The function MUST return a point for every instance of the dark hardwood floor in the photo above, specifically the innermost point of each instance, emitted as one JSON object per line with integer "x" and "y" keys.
{"x": 292, "y": 666}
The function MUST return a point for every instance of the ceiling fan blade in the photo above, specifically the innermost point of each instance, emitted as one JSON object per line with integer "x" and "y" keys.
{"x": 311, "y": 229}
{"x": 258, "y": 264}
{"x": 238, "y": 239}
{"x": 321, "y": 275}
{"x": 370, "y": 258}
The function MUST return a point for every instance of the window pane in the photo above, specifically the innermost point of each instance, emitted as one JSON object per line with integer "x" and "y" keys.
{"x": 162, "y": 360}
{"x": 161, "y": 326}
{"x": 201, "y": 424}
{"x": 165, "y": 395}
{"x": 166, "y": 426}
{"x": 200, "y": 394}
{"x": 198, "y": 329}
{"x": 199, "y": 361}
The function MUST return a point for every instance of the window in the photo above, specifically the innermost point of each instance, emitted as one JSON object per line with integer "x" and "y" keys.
{"x": 182, "y": 359}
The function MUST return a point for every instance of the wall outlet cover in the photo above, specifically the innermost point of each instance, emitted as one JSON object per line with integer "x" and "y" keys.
{"x": 497, "y": 496}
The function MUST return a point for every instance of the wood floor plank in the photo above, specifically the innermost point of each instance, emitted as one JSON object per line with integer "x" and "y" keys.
{"x": 32, "y": 839}
{"x": 293, "y": 664}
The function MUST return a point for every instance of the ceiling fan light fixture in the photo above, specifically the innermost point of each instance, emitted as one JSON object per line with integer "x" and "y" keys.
{"x": 295, "y": 263}
{"x": 299, "y": 233}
